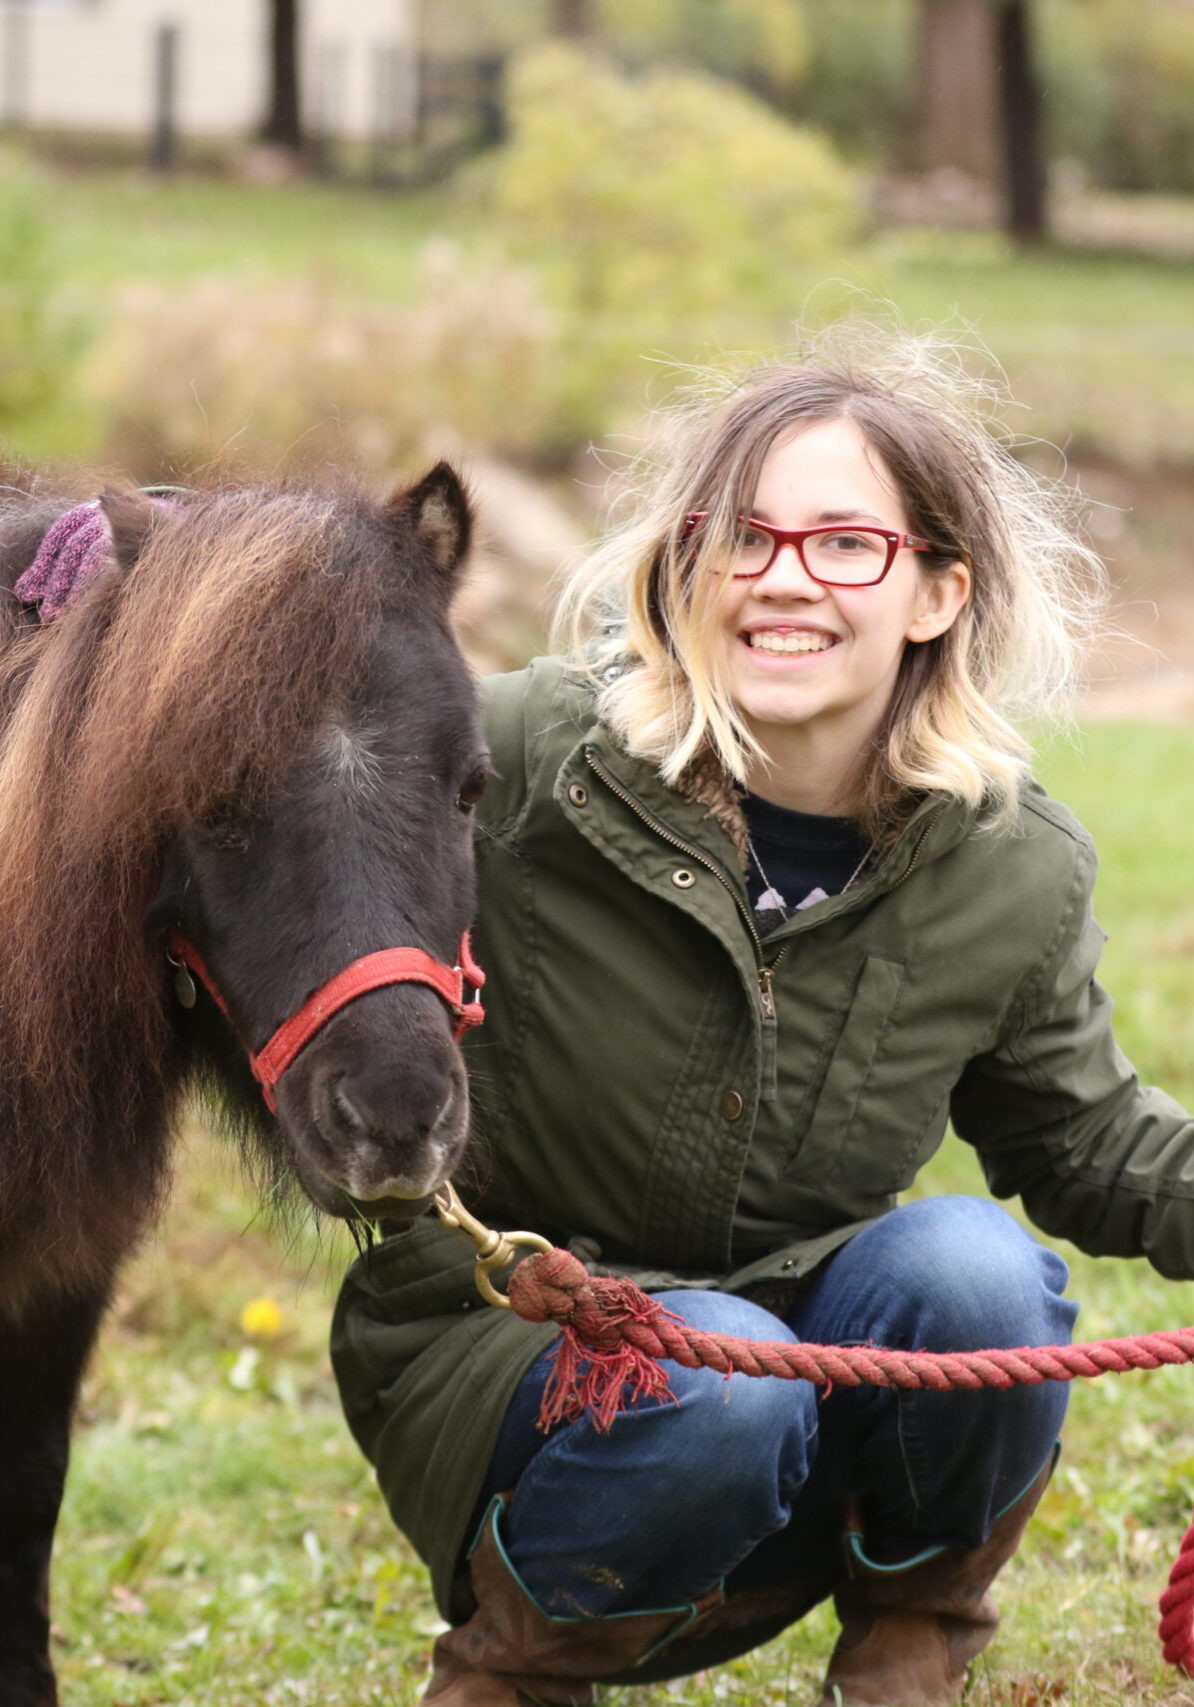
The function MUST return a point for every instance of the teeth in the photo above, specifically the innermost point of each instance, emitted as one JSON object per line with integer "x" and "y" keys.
{"x": 790, "y": 642}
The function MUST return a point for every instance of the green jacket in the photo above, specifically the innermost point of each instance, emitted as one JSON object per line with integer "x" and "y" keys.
{"x": 674, "y": 1098}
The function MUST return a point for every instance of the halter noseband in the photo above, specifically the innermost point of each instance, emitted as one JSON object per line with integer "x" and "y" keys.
{"x": 372, "y": 972}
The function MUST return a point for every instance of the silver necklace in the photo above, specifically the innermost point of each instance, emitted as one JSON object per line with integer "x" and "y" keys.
{"x": 771, "y": 901}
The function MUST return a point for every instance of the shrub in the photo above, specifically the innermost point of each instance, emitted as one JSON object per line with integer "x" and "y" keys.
{"x": 293, "y": 378}
{"x": 663, "y": 210}
{"x": 669, "y": 189}
{"x": 762, "y": 42}
{"x": 858, "y": 72}
{"x": 1119, "y": 75}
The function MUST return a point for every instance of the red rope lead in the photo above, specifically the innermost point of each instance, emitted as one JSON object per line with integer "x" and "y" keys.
{"x": 1177, "y": 1609}
{"x": 613, "y": 1336}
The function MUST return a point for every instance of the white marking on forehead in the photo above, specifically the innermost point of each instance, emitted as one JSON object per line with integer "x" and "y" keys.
{"x": 350, "y": 757}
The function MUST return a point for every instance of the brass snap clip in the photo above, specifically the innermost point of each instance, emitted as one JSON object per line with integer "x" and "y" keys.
{"x": 494, "y": 1250}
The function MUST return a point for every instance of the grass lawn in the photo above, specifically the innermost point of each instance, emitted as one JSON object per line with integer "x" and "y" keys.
{"x": 1098, "y": 344}
{"x": 222, "y": 1541}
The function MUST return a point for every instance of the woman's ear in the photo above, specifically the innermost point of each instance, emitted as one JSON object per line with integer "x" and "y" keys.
{"x": 943, "y": 594}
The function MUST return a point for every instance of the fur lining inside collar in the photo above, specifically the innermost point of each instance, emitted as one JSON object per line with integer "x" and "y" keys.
{"x": 707, "y": 784}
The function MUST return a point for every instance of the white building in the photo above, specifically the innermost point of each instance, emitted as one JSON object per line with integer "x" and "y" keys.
{"x": 95, "y": 65}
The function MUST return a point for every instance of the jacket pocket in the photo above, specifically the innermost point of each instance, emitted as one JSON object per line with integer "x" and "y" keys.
{"x": 838, "y": 1139}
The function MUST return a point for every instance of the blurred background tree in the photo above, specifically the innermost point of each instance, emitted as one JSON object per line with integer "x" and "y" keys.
{"x": 574, "y": 19}
{"x": 976, "y": 103}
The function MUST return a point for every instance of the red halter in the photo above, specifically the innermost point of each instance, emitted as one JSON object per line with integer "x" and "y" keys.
{"x": 373, "y": 972}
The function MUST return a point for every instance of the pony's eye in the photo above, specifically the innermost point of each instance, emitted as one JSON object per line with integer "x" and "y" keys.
{"x": 472, "y": 788}
{"x": 227, "y": 829}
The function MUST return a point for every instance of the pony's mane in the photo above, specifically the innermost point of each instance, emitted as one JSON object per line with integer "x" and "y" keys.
{"x": 192, "y": 676}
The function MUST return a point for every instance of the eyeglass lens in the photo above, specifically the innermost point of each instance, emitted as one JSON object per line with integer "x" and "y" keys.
{"x": 849, "y": 556}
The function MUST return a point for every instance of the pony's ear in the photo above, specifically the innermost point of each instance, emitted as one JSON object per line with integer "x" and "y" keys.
{"x": 441, "y": 516}
{"x": 129, "y": 515}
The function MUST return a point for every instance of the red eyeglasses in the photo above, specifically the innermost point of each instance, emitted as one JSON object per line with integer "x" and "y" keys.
{"x": 832, "y": 555}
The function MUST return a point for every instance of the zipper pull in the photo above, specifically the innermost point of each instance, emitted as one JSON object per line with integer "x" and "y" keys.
{"x": 766, "y": 999}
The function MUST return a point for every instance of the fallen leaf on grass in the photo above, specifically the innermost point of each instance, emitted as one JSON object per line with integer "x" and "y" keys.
{"x": 125, "y": 1600}
{"x": 1031, "y": 1692}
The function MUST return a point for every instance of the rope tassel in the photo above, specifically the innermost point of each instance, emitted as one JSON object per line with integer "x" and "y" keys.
{"x": 597, "y": 1368}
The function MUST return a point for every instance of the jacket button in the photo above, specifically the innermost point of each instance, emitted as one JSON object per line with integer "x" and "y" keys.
{"x": 731, "y": 1105}
{"x": 683, "y": 879}
{"x": 578, "y": 794}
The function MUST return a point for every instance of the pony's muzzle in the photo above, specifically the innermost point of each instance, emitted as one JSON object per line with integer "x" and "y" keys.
{"x": 378, "y": 1115}
{"x": 366, "y": 1162}
{"x": 381, "y": 1146}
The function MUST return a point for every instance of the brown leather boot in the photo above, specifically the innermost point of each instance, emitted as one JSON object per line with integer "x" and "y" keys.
{"x": 510, "y": 1653}
{"x": 908, "y": 1634}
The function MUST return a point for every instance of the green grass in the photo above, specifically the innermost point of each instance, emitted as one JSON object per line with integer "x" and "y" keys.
{"x": 222, "y": 1541}
{"x": 1097, "y": 344}
{"x": 112, "y": 227}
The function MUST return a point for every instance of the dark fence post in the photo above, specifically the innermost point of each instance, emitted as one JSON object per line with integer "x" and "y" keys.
{"x": 283, "y": 125}
{"x": 491, "y": 106}
{"x": 163, "y": 147}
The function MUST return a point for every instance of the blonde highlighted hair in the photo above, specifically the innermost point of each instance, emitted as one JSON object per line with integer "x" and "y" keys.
{"x": 1037, "y": 595}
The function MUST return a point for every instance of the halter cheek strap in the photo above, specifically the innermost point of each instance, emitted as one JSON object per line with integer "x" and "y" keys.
{"x": 372, "y": 972}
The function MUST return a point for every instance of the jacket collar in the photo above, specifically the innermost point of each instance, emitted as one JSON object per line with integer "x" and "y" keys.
{"x": 705, "y": 811}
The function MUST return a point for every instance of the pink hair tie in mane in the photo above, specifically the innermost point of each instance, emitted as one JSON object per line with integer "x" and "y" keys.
{"x": 76, "y": 549}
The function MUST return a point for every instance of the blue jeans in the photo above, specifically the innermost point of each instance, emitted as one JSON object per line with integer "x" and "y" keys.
{"x": 744, "y": 1481}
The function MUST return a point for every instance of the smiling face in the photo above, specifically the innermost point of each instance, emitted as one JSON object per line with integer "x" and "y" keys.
{"x": 811, "y": 668}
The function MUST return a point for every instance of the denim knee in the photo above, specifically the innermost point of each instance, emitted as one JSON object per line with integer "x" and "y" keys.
{"x": 969, "y": 1276}
{"x": 676, "y": 1493}
{"x": 724, "y": 1430}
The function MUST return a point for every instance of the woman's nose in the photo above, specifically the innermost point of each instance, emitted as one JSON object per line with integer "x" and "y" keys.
{"x": 786, "y": 577}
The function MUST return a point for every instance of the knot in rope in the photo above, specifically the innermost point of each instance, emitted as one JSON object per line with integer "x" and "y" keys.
{"x": 547, "y": 1287}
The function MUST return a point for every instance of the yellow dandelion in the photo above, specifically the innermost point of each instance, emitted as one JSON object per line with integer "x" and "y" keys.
{"x": 261, "y": 1319}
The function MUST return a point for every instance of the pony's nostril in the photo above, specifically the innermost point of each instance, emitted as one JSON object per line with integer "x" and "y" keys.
{"x": 344, "y": 1112}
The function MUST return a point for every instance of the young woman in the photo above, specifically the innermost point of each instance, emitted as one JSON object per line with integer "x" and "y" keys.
{"x": 767, "y": 897}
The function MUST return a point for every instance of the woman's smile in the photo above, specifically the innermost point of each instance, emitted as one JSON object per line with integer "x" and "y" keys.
{"x": 784, "y": 643}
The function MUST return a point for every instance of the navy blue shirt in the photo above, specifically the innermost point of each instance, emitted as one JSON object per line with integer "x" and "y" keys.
{"x": 803, "y": 854}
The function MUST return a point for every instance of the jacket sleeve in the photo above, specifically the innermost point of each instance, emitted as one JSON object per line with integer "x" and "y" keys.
{"x": 503, "y": 707}
{"x": 1058, "y": 1115}
{"x": 529, "y": 715}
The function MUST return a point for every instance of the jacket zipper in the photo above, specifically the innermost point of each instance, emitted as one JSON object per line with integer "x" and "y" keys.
{"x": 765, "y": 971}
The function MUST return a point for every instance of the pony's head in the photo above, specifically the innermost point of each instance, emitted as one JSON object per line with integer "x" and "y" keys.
{"x": 256, "y": 733}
